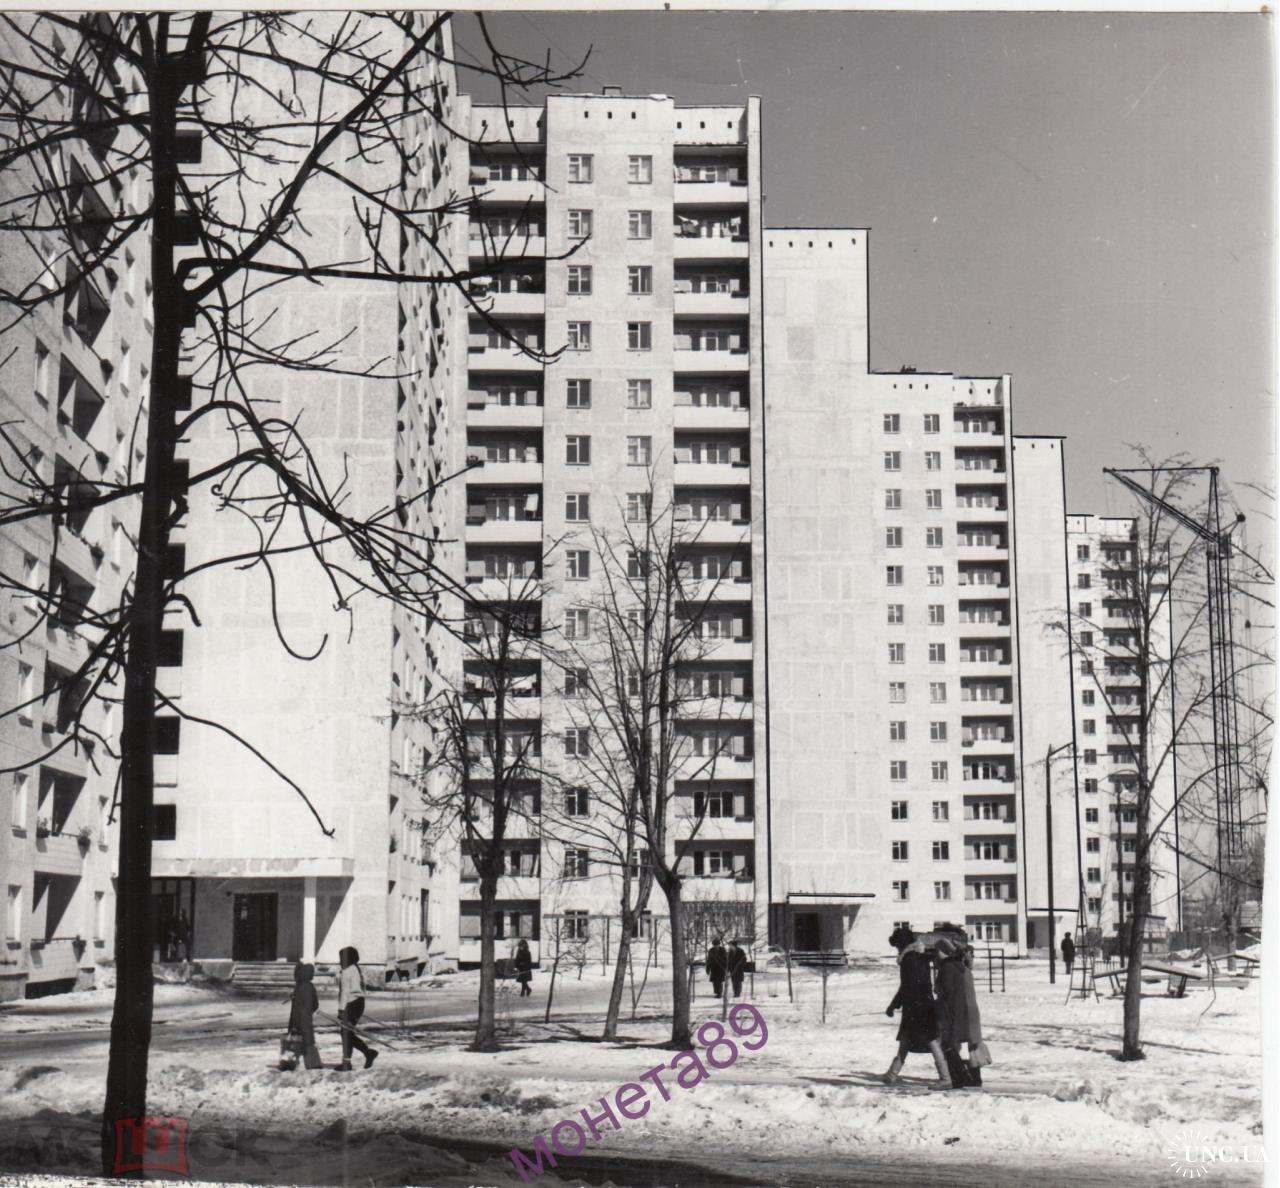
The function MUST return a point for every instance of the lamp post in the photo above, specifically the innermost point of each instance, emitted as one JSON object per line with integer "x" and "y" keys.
{"x": 1048, "y": 843}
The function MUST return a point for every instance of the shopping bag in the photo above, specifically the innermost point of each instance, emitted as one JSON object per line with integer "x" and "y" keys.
{"x": 980, "y": 1057}
{"x": 290, "y": 1043}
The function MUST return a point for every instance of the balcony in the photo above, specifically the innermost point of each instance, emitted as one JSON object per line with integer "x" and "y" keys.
{"x": 688, "y": 416}
{"x": 717, "y": 828}
{"x": 711, "y": 304}
{"x": 714, "y": 532}
{"x": 982, "y": 909}
{"x": 501, "y": 474}
{"x": 721, "y": 248}
{"x": 503, "y": 246}
{"x": 726, "y": 889}
{"x": 504, "y": 532}
{"x": 712, "y": 362}
{"x": 481, "y": 414}
{"x": 486, "y": 354}
{"x": 509, "y": 191}
{"x": 76, "y": 553}
{"x": 724, "y": 589}
{"x": 725, "y": 650}
{"x": 987, "y": 746}
{"x": 503, "y": 589}
{"x": 718, "y": 192}
{"x": 60, "y": 855}
{"x": 523, "y": 887}
{"x": 712, "y": 474}
{"x": 966, "y": 513}
{"x": 979, "y": 669}
{"x": 983, "y": 867}
{"x": 981, "y": 552}
{"x": 717, "y": 767}
{"x": 66, "y": 648}
{"x": 724, "y": 709}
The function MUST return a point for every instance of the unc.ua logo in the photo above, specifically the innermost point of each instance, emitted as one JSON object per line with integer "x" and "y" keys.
{"x": 1192, "y": 1154}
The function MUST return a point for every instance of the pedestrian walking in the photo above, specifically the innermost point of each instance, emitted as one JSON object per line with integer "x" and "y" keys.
{"x": 918, "y": 1031}
{"x": 524, "y": 968}
{"x": 958, "y": 1017}
{"x": 1068, "y": 952}
{"x": 717, "y": 965}
{"x": 351, "y": 1007}
{"x": 302, "y": 1026}
{"x": 737, "y": 967}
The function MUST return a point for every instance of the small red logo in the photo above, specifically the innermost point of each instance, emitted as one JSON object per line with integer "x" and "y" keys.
{"x": 151, "y": 1144}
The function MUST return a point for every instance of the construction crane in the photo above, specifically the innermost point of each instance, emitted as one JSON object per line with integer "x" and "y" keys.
{"x": 1224, "y": 704}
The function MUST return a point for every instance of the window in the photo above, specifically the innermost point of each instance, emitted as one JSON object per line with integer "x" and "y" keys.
{"x": 932, "y": 423}
{"x": 1084, "y": 609}
{"x": 1095, "y": 874}
{"x": 895, "y": 613}
{"x": 932, "y": 460}
{"x": 579, "y": 224}
{"x": 1086, "y": 697}
{"x": 580, "y": 279}
{"x": 639, "y": 451}
{"x": 893, "y": 498}
{"x": 575, "y": 925}
{"x": 933, "y": 538}
{"x": 897, "y": 810}
{"x": 942, "y": 889}
{"x": 164, "y": 821}
{"x": 899, "y": 850}
{"x": 21, "y": 783}
{"x": 1083, "y": 581}
{"x": 577, "y": 865}
{"x": 942, "y": 851}
{"x": 577, "y": 741}
{"x": 578, "y": 564}
{"x": 901, "y": 890}
{"x": 1086, "y": 639}
{"x": 577, "y": 623}
{"x": 577, "y": 450}
{"x": 640, "y": 169}
{"x": 897, "y": 770}
{"x": 893, "y": 575}
{"x": 637, "y": 563}
{"x": 893, "y": 460}
{"x": 942, "y": 810}
{"x": 1095, "y": 905}
{"x": 938, "y": 771}
{"x": 897, "y": 653}
{"x": 13, "y": 914}
{"x": 577, "y": 393}
{"x": 639, "y": 393}
{"x": 1091, "y": 816}
{"x": 897, "y": 732}
{"x": 937, "y": 691}
{"x": 937, "y": 732}
{"x": 168, "y": 734}
{"x": 937, "y": 653}
{"x": 933, "y": 499}
{"x": 1091, "y": 756}
{"x": 639, "y": 279}
{"x": 893, "y": 538}
{"x": 577, "y": 507}
{"x": 897, "y": 692}
{"x": 639, "y": 224}
{"x": 892, "y": 423}
{"x": 1091, "y": 785}
{"x": 1092, "y": 845}
{"x": 579, "y": 167}
{"x": 1082, "y": 552}
{"x": 935, "y": 575}
{"x": 576, "y": 681}
{"x": 578, "y": 335}
{"x": 639, "y": 336}
{"x": 937, "y": 614}
{"x": 638, "y": 506}
{"x": 1090, "y": 726}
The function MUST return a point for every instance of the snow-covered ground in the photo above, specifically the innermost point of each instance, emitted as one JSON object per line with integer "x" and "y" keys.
{"x": 811, "y": 1098}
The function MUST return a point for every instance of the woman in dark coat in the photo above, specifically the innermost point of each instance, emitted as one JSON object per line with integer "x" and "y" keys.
{"x": 958, "y": 1017}
{"x": 918, "y": 1031}
{"x": 524, "y": 968}
{"x": 305, "y": 1003}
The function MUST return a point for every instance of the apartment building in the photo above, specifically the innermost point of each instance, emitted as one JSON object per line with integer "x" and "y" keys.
{"x": 73, "y": 377}
{"x": 1103, "y": 553}
{"x": 900, "y": 712}
{"x": 236, "y": 849}
{"x": 639, "y": 269}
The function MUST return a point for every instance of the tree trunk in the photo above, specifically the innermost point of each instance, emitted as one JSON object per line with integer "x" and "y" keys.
{"x": 486, "y": 1027}
{"x": 126, "y": 1089}
{"x": 619, "y": 983}
{"x": 681, "y": 1036}
{"x": 1132, "y": 1047}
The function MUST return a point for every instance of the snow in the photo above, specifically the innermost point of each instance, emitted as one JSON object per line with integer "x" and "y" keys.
{"x": 812, "y": 1092}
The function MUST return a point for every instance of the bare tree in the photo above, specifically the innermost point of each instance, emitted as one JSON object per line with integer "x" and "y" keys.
{"x": 651, "y": 715}
{"x": 484, "y": 779}
{"x": 1147, "y": 654}
{"x": 100, "y": 116}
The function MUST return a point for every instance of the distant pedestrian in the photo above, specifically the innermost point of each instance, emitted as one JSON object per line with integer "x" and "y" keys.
{"x": 918, "y": 1031}
{"x": 958, "y": 1017}
{"x": 717, "y": 965}
{"x": 182, "y": 935}
{"x": 524, "y": 968}
{"x": 737, "y": 967}
{"x": 1068, "y": 952}
{"x": 351, "y": 1007}
{"x": 304, "y": 1004}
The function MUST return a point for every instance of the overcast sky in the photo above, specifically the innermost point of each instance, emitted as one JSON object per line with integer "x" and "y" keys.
{"x": 1084, "y": 201}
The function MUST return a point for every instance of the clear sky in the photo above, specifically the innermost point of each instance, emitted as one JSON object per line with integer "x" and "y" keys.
{"x": 1084, "y": 200}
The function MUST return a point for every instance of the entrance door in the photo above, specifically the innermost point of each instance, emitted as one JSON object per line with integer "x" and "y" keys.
{"x": 253, "y": 936}
{"x": 808, "y": 931}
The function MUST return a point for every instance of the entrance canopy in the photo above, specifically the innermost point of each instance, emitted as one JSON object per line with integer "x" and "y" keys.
{"x": 253, "y": 868}
{"x": 827, "y": 898}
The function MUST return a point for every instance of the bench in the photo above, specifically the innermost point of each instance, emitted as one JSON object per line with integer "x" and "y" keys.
{"x": 1250, "y": 963}
{"x": 821, "y": 958}
{"x": 1115, "y": 977}
{"x": 1179, "y": 974}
